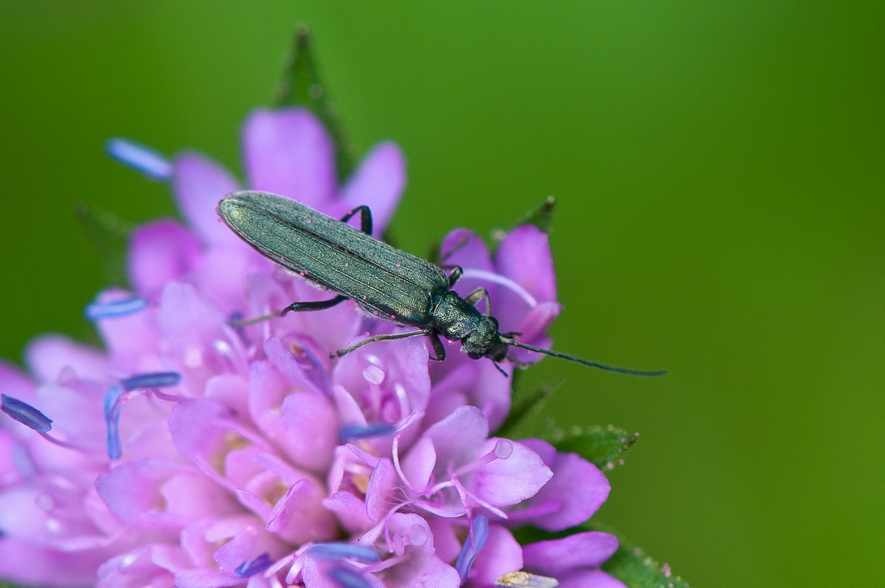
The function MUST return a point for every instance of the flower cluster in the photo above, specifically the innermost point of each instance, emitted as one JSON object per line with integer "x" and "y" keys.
{"x": 195, "y": 450}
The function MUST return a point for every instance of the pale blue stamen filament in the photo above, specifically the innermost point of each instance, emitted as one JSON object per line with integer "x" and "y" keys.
{"x": 114, "y": 309}
{"x": 253, "y": 566}
{"x": 479, "y": 532}
{"x": 483, "y": 275}
{"x": 114, "y": 395}
{"x": 349, "y": 433}
{"x": 352, "y": 551}
{"x": 140, "y": 158}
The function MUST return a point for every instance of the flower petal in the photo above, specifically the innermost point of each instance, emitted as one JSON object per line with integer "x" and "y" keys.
{"x": 378, "y": 183}
{"x": 569, "y": 508}
{"x": 199, "y": 184}
{"x": 312, "y": 427}
{"x": 49, "y": 355}
{"x": 513, "y": 478}
{"x": 524, "y": 256}
{"x": 159, "y": 252}
{"x": 560, "y": 557}
{"x": 464, "y": 248}
{"x": 500, "y": 554}
{"x": 299, "y": 516}
{"x": 289, "y": 152}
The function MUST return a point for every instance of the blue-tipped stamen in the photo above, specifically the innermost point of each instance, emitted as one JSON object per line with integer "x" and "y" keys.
{"x": 26, "y": 414}
{"x": 253, "y": 566}
{"x": 479, "y": 532}
{"x": 152, "y": 380}
{"x": 140, "y": 157}
{"x": 115, "y": 308}
{"x": 348, "y": 578}
{"x": 112, "y": 398}
{"x": 353, "y": 551}
{"x": 349, "y": 433}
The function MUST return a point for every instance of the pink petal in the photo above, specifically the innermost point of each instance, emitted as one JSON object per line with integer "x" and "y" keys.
{"x": 524, "y": 256}
{"x": 159, "y": 252}
{"x": 18, "y": 558}
{"x": 500, "y": 554}
{"x": 465, "y": 248}
{"x": 48, "y": 355}
{"x": 289, "y": 152}
{"x": 299, "y": 516}
{"x": 510, "y": 480}
{"x": 15, "y": 383}
{"x": 475, "y": 382}
{"x": 199, "y": 184}
{"x": 459, "y": 437}
{"x": 590, "y": 579}
{"x": 132, "y": 489}
{"x": 350, "y": 510}
{"x": 559, "y": 557}
{"x": 377, "y": 183}
{"x": 578, "y": 489}
{"x": 419, "y": 464}
{"x": 382, "y": 482}
{"x": 312, "y": 430}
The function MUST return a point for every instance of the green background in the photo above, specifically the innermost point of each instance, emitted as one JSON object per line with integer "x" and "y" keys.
{"x": 718, "y": 169}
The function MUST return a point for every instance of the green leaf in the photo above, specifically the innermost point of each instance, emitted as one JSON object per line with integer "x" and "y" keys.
{"x": 110, "y": 237}
{"x": 526, "y": 403}
{"x": 603, "y": 446}
{"x": 303, "y": 86}
{"x": 541, "y": 217}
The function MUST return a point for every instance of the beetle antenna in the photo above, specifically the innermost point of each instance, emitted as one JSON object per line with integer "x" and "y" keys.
{"x": 601, "y": 366}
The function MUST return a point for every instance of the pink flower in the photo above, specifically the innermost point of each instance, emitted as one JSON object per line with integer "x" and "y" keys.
{"x": 193, "y": 453}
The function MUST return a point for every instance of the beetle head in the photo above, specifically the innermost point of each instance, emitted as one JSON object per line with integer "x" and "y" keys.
{"x": 484, "y": 340}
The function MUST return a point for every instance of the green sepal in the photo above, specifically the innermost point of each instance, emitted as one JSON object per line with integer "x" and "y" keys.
{"x": 110, "y": 237}
{"x": 541, "y": 217}
{"x": 602, "y": 446}
{"x": 303, "y": 86}
{"x": 634, "y": 568}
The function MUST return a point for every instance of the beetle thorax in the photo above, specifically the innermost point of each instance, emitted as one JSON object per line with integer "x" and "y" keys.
{"x": 457, "y": 320}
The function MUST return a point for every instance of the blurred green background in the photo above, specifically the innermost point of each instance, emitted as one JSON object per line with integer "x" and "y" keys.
{"x": 719, "y": 174}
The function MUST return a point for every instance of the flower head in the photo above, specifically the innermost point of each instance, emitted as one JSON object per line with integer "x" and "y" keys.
{"x": 192, "y": 450}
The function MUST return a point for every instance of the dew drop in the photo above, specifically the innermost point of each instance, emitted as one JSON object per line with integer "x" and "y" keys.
{"x": 373, "y": 374}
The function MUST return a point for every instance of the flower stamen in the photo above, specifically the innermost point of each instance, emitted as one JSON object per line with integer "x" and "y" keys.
{"x": 115, "y": 308}
{"x": 253, "y": 566}
{"x": 487, "y": 276}
{"x": 476, "y": 539}
{"x": 32, "y": 418}
{"x": 141, "y": 158}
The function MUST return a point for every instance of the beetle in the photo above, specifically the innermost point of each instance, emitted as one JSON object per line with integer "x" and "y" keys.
{"x": 385, "y": 282}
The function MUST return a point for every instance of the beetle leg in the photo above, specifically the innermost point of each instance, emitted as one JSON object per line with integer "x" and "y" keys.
{"x": 455, "y": 275}
{"x": 310, "y": 306}
{"x": 499, "y": 368}
{"x": 365, "y": 218}
{"x": 439, "y": 352}
{"x": 478, "y": 295}
{"x": 386, "y": 337}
